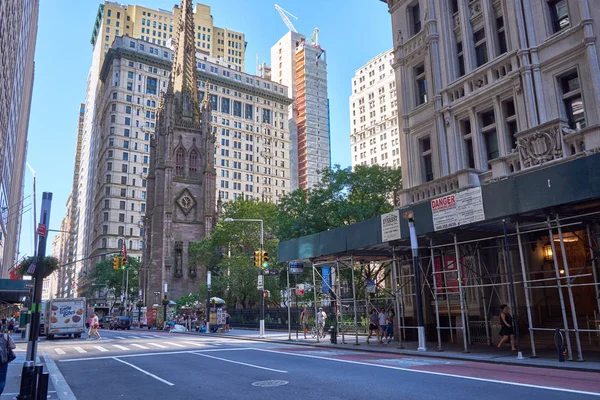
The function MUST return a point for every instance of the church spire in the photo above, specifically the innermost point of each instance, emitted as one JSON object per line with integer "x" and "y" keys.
{"x": 183, "y": 74}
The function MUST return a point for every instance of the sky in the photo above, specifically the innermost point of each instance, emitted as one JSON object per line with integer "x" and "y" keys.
{"x": 351, "y": 31}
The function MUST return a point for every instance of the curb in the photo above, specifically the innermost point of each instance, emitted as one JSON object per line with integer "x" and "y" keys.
{"x": 404, "y": 352}
{"x": 63, "y": 390}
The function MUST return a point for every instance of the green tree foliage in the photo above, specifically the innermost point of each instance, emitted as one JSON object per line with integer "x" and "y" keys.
{"x": 104, "y": 274}
{"x": 229, "y": 253}
{"x": 343, "y": 197}
{"x": 50, "y": 265}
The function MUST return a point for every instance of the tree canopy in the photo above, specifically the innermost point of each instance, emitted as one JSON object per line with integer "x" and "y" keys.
{"x": 104, "y": 274}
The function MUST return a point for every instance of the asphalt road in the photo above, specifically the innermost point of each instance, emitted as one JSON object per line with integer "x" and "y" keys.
{"x": 156, "y": 365}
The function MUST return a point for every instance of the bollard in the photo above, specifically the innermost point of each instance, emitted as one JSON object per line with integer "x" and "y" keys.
{"x": 558, "y": 341}
{"x": 28, "y": 381}
{"x": 42, "y": 393}
{"x": 39, "y": 369}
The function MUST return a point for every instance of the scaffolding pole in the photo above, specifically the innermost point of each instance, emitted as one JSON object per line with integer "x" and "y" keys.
{"x": 569, "y": 290}
{"x": 594, "y": 272}
{"x": 315, "y": 299}
{"x": 397, "y": 295}
{"x": 560, "y": 293}
{"x": 338, "y": 300}
{"x": 443, "y": 272}
{"x": 354, "y": 301}
{"x": 485, "y": 309}
{"x": 461, "y": 294}
{"x": 527, "y": 291}
{"x": 435, "y": 297}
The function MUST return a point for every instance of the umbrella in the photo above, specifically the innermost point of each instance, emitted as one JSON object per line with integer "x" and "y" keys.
{"x": 217, "y": 300}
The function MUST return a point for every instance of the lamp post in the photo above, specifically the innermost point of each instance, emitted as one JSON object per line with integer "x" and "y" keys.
{"x": 414, "y": 246}
{"x": 260, "y": 273}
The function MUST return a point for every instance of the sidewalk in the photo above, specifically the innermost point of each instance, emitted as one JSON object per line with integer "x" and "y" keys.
{"x": 547, "y": 357}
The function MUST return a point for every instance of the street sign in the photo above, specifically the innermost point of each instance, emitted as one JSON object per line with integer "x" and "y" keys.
{"x": 260, "y": 284}
{"x": 271, "y": 272}
{"x": 300, "y": 289}
{"x": 296, "y": 268}
{"x": 41, "y": 230}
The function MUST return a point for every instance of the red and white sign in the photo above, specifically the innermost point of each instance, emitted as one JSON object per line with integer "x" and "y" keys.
{"x": 457, "y": 209}
{"x": 41, "y": 230}
{"x": 300, "y": 289}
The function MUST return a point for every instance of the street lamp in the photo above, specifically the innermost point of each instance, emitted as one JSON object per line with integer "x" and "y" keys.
{"x": 260, "y": 273}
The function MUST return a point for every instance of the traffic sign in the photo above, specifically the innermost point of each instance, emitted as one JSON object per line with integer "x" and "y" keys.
{"x": 41, "y": 230}
{"x": 296, "y": 267}
{"x": 260, "y": 284}
{"x": 271, "y": 272}
{"x": 300, "y": 289}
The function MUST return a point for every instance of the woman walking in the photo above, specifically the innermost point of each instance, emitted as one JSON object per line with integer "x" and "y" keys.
{"x": 507, "y": 330}
{"x": 94, "y": 325}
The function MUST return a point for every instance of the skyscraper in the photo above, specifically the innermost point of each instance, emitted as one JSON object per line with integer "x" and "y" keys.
{"x": 18, "y": 31}
{"x": 302, "y": 66}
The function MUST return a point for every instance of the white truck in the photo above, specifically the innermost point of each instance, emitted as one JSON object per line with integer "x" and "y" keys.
{"x": 65, "y": 317}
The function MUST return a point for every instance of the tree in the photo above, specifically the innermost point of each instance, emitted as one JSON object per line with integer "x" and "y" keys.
{"x": 50, "y": 265}
{"x": 343, "y": 197}
{"x": 104, "y": 274}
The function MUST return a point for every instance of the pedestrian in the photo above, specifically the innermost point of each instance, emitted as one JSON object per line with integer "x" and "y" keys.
{"x": 507, "y": 330}
{"x": 6, "y": 345}
{"x": 373, "y": 326}
{"x": 321, "y": 319}
{"x": 3, "y": 326}
{"x": 382, "y": 319}
{"x": 227, "y": 321}
{"x": 94, "y": 325}
{"x": 11, "y": 325}
{"x": 389, "y": 331}
{"x": 304, "y": 320}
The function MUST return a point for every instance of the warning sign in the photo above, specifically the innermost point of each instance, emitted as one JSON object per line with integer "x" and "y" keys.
{"x": 457, "y": 209}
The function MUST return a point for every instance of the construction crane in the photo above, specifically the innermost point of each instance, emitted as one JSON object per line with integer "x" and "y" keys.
{"x": 284, "y": 16}
{"x": 314, "y": 38}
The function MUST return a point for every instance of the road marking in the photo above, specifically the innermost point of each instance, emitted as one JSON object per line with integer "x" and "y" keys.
{"x": 120, "y": 347}
{"x": 241, "y": 363}
{"x": 100, "y": 348}
{"x": 417, "y": 371}
{"x": 80, "y": 350}
{"x": 120, "y": 337}
{"x": 174, "y": 344}
{"x": 148, "y": 336}
{"x": 134, "y": 337}
{"x": 144, "y": 371}
{"x": 160, "y": 346}
{"x": 152, "y": 354}
{"x": 59, "y": 351}
{"x": 140, "y": 346}
{"x": 196, "y": 344}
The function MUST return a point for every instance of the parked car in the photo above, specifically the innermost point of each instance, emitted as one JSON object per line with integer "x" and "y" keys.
{"x": 120, "y": 323}
{"x": 105, "y": 322}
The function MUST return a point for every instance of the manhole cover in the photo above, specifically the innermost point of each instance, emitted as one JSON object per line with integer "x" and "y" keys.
{"x": 270, "y": 383}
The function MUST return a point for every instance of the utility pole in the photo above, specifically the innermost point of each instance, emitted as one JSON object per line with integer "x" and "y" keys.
{"x": 28, "y": 378}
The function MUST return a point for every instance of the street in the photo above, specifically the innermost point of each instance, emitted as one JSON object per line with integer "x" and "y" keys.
{"x": 151, "y": 364}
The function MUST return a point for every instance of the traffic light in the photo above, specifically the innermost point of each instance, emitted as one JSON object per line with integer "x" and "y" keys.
{"x": 257, "y": 261}
{"x": 265, "y": 259}
{"x": 116, "y": 263}
{"x": 123, "y": 262}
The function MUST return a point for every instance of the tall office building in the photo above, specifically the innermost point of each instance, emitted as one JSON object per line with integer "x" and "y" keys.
{"x": 18, "y": 31}
{"x": 156, "y": 26}
{"x": 374, "y": 136}
{"x": 302, "y": 66}
{"x": 249, "y": 119}
{"x": 153, "y": 28}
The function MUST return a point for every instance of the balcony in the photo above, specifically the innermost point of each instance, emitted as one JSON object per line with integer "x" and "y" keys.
{"x": 409, "y": 50}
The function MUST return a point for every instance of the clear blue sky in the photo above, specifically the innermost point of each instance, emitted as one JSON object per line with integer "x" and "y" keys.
{"x": 351, "y": 31}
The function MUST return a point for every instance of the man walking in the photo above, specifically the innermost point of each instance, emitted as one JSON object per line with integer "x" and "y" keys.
{"x": 321, "y": 318}
{"x": 382, "y": 324}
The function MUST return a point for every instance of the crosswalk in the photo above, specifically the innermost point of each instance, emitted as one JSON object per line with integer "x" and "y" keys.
{"x": 104, "y": 347}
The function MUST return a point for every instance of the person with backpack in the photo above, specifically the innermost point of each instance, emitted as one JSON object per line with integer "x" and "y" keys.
{"x": 6, "y": 355}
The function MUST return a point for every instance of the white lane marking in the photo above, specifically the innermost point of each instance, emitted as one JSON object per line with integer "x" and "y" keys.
{"x": 118, "y": 346}
{"x": 153, "y": 354}
{"x": 174, "y": 344}
{"x": 240, "y": 363}
{"x": 59, "y": 351}
{"x": 144, "y": 372}
{"x": 80, "y": 349}
{"x": 119, "y": 337}
{"x": 435, "y": 373}
{"x": 157, "y": 336}
{"x": 160, "y": 346}
{"x": 148, "y": 336}
{"x": 100, "y": 348}
{"x": 139, "y": 345}
{"x": 134, "y": 337}
{"x": 196, "y": 343}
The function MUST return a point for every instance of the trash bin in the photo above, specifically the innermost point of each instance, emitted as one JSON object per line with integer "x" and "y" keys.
{"x": 333, "y": 334}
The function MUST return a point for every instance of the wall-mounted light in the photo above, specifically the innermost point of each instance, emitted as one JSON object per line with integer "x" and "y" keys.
{"x": 562, "y": 271}
{"x": 548, "y": 256}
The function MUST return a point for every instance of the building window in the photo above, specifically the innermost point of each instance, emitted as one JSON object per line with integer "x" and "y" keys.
{"x": 572, "y": 100}
{"x": 427, "y": 164}
{"x": 121, "y": 217}
{"x": 480, "y": 47}
{"x": 421, "y": 84}
{"x": 490, "y": 137}
{"x": 461, "y": 59}
{"x": 415, "y": 18}
{"x": 465, "y": 127}
{"x": 214, "y": 101}
{"x": 559, "y": 15}
{"x": 502, "y": 48}
{"x": 179, "y": 161}
{"x": 224, "y": 105}
{"x": 151, "y": 85}
{"x": 510, "y": 119}
{"x": 121, "y": 233}
{"x": 193, "y": 163}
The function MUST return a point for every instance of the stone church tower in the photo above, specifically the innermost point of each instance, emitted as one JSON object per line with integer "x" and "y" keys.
{"x": 181, "y": 180}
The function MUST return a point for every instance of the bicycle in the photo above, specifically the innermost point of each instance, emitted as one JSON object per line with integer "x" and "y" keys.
{"x": 313, "y": 332}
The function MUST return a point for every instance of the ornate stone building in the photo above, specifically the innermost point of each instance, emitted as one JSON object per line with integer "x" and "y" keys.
{"x": 181, "y": 180}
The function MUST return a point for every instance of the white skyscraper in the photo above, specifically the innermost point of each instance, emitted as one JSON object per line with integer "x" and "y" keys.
{"x": 374, "y": 133}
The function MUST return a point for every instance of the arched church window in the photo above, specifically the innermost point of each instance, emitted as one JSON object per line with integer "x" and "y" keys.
{"x": 194, "y": 163}
{"x": 179, "y": 161}
{"x": 120, "y": 244}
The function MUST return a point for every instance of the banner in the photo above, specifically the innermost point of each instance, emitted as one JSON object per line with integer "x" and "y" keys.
{"x": 390, "y": 226}
{"x": 457, "y": 209}
{"x": 326, "y": 280}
